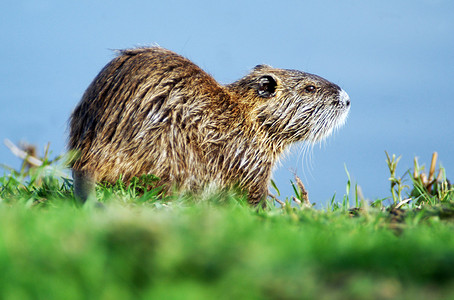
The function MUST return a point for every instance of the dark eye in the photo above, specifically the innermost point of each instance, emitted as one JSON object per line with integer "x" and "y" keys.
{"x": 266, "y": 86}
{"x": 310, "y": 89}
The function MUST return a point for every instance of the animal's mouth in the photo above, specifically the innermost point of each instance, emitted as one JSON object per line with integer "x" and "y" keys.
{"x": 330, "y": 120}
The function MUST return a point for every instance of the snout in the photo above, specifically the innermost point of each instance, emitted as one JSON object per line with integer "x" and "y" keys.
{"x": 344, "y": 99}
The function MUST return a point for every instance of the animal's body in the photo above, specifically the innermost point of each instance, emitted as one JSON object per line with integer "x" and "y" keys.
{"x": 151, "y": 111}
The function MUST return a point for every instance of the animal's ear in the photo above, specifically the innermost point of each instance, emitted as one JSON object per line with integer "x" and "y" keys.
{"x": 266, "y": 87}
{"x": 261, "y": 67}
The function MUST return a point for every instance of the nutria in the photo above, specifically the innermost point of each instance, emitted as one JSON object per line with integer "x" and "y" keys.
{"x": 152, "y": 111}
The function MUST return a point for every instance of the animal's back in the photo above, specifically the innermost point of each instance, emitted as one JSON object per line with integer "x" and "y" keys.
{"x": 144, "y": 113}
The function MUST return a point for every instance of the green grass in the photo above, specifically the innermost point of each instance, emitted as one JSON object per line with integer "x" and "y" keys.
{"x": 140, "y": 246}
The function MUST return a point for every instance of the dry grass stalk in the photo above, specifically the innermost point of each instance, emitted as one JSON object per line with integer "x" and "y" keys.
{"x": 28, "y": 155}
{"x": 277, "y": 200}
{"x": 304, "y": 194}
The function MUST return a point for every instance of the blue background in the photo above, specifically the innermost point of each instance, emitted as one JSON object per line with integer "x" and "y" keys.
{"x": 394, "y": 58}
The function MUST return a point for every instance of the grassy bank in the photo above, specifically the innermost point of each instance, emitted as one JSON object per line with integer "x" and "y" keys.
{"x": 138, "y": 246}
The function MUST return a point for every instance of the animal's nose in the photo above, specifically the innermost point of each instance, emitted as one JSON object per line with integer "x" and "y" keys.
{"x": 344, "y": 98}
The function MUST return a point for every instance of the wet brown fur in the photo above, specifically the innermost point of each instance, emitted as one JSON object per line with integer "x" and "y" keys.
{"x": 151, "y": 111}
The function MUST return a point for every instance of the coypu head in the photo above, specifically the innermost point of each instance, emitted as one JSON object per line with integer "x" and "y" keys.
{"x": 290, "y": 105}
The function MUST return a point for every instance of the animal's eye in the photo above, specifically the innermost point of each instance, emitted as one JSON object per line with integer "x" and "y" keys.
{"x": 310, "y": 89}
